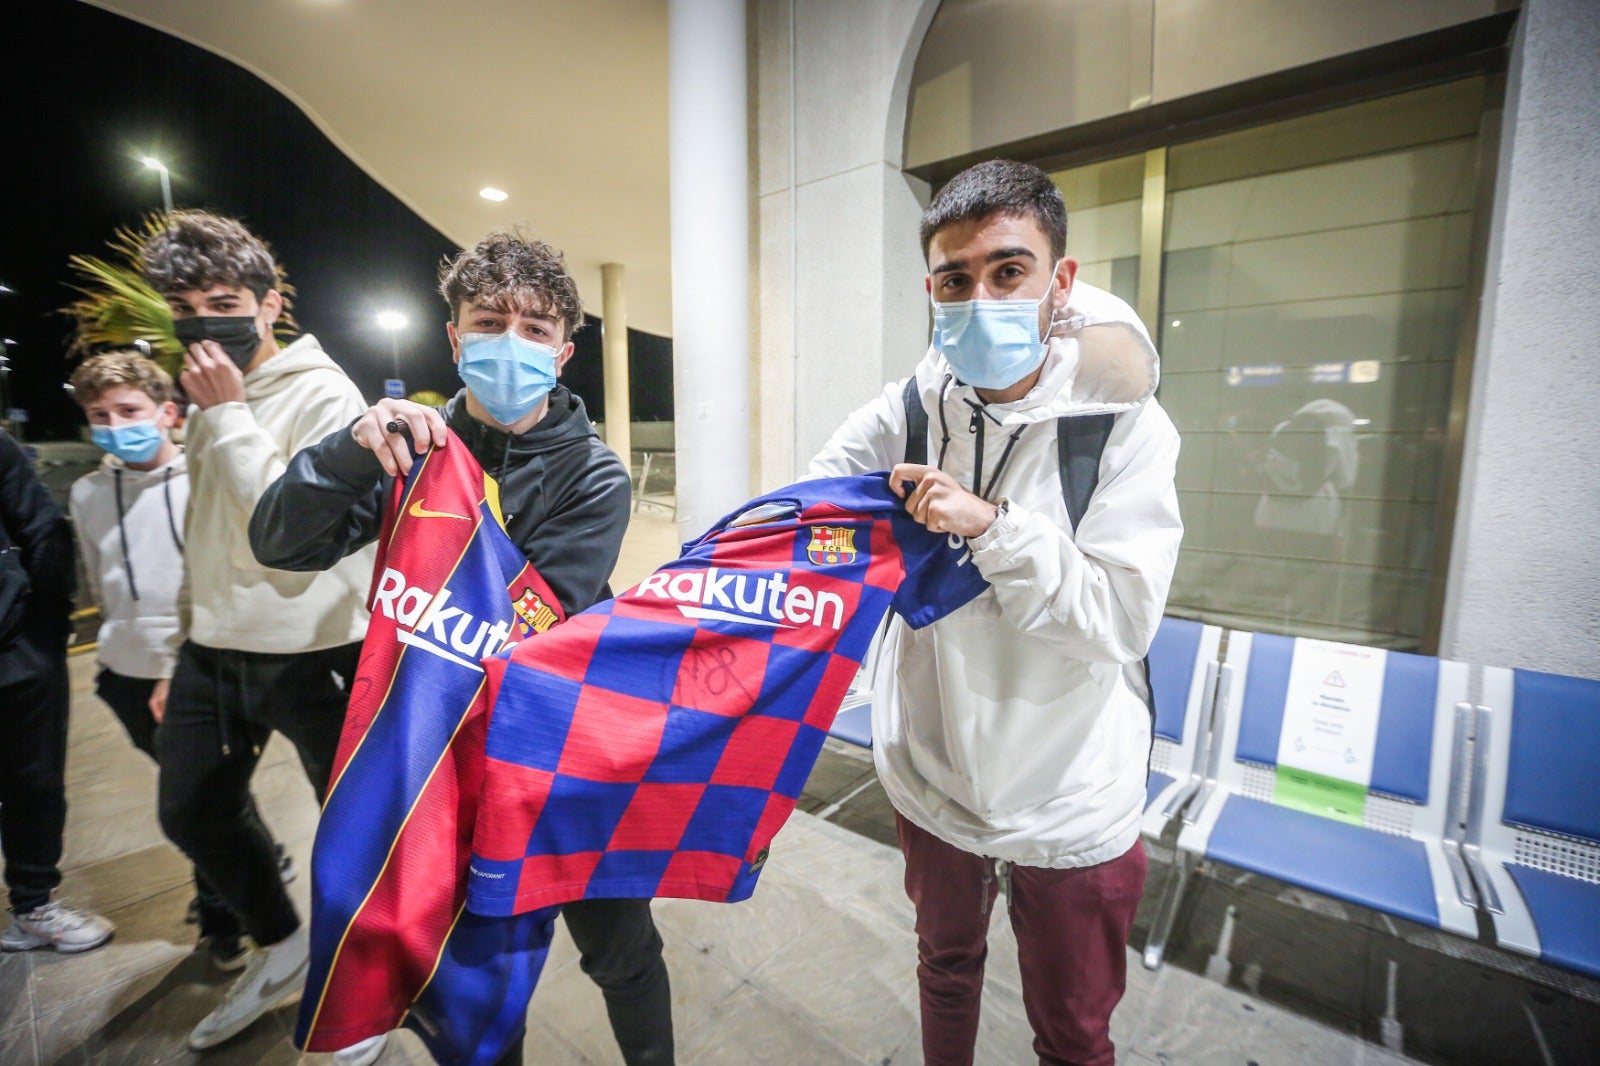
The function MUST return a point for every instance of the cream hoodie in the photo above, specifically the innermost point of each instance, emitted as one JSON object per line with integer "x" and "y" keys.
{"x": 235, "y": 451}
{"x": 1008, "y": 728}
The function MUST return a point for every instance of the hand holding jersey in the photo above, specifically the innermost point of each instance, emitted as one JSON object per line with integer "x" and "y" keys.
{"x": 934, "y": 499}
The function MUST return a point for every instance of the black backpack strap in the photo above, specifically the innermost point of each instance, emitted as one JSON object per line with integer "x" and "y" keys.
{"x": 916, "y": 423}
{"x": 1079, "y": 444}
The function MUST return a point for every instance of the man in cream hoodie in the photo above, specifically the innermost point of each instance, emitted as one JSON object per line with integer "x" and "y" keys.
{"x": 1012, "y": 737}
{"x": 260, "y": 650}
{"x": 128, "y": 515}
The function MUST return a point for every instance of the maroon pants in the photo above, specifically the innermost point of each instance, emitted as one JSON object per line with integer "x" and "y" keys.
{"x": 1072, "y": 937}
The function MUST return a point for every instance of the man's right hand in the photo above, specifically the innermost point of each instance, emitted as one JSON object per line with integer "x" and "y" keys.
{"x": 158, "y": 699}
{"x": 371, "y": 431}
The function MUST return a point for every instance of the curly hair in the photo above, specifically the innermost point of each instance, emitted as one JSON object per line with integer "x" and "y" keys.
{"x": 195, "y": 249}
{"x": 508, "y": 270}
{"x": 999, "y": 186}
{"x": 108, "y": 370}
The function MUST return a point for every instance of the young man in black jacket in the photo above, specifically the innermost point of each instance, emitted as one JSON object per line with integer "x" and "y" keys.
{"x": 36, "y": 585}
{"x": 565, "y": 497}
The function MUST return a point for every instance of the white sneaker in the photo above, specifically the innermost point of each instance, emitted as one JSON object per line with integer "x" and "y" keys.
{"x": 56, "y": 925}
{"x": 271, "y": 976}
{"x": 362, "y": 1054}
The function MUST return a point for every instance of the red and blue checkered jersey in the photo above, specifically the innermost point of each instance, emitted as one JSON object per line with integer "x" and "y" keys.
{"x": 390, "y": 943}
{"x": 654, "y": 744}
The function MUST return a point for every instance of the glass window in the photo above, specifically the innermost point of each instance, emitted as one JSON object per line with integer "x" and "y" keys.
{"x": 1103, "y": 222}
{"x": 1314, "y": 288}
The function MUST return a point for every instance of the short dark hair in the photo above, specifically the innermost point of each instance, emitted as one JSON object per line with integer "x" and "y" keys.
{"x": 1000, "y": 186}
{"x": 507, "y": 270}
{"x": 197, "y": 250}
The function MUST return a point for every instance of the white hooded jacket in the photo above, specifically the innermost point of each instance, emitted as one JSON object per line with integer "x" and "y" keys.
{"x": 235, "y": 451}
{"x": 130, "y": 534}
{"x": 1008, "y": 728}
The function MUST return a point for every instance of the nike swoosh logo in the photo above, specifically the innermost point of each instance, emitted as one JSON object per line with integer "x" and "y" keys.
{"x": 419, "y": 511}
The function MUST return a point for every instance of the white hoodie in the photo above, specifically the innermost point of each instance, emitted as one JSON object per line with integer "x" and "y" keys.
{"x": 235, "y": 451}
{"x": 1008, "y": 729}
{"x": 133, "y": 555}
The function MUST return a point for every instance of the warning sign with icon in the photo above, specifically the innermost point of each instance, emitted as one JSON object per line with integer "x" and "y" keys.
{"x": 1330, "y": 723}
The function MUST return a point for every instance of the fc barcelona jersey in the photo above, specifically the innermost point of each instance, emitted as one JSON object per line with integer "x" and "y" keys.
{"x": 654, "y": 744}
{"x": 389, "y": 939}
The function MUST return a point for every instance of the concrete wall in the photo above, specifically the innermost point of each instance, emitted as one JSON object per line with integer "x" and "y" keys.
{"x": 842, "y": 308}
{"x": 996, "y": 71}
{"x": 1524, "y": 578}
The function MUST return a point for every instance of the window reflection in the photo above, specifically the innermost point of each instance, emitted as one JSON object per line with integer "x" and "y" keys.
{"x": 1313, "y": 292}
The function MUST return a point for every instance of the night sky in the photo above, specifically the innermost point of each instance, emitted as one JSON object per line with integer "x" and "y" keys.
{"x": 89, "y": 93}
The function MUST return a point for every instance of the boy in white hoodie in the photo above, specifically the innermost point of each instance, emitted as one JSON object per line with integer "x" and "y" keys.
{"x": 260, "y": 650}
{"x": 128, "y": 515}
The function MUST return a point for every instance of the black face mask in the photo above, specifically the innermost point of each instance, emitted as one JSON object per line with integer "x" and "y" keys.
{"x": 236, "y": 334}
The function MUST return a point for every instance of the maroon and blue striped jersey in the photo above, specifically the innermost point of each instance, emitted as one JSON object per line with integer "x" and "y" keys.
{"x": 390, "y": 941}
{"x": 654, "y": 744}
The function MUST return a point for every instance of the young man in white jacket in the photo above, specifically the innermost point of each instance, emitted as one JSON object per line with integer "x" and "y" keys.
{"x": 261, "y": 650}
{"x": 1013, "y": 736}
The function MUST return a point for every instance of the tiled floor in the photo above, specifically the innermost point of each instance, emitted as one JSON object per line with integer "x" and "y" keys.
{"x": 817, "y": 968}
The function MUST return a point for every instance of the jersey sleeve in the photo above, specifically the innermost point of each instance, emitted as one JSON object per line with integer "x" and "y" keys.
{"x": 940, "y": 575}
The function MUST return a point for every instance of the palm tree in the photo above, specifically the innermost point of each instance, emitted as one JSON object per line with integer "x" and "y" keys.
{"x": 116, "y": 307}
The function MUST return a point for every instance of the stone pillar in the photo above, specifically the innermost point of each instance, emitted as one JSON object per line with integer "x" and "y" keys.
{"x": 843, "y": 309}
{"x": 710, "y": 257}
{"x": 614, "y": 339}
{"x": 1523, "y": 588}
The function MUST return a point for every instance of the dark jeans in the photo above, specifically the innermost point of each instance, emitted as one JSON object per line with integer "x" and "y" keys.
{"x": 34, "y": 696}
{"x": 129, "y": 700}
{"x": 222, "y": 708}
{"x": 1072, "y": 938}
{"x": 620, "y": 950}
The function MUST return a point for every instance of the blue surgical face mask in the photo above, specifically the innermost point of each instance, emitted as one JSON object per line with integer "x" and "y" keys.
{"x": 508, "y": 374}
{"x": 132, "y": 442}
{"x": 991, "y": 344}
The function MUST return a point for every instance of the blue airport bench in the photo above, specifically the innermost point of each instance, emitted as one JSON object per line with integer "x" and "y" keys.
{"x": 1404, "y": 858}
{"x": 1533, "y": 837}
{"x": 1184, "y": 675}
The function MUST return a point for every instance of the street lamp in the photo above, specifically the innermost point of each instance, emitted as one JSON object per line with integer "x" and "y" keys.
{"x": 392, "y": 322}
{"x": 166, "y": 180}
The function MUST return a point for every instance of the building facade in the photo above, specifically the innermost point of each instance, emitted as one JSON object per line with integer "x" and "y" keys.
{"x": 1361, "y": 232}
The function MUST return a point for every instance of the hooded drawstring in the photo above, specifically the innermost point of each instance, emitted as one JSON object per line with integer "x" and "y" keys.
{"x": 172, "y": 522}
{"x": 122, "y": 534}
{"x": 980, "y": 412}
{"x": 944, "y": 425}
{"x": 122, "y": 529}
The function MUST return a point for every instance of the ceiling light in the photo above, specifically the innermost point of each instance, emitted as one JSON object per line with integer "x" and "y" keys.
{"x": 489, "y": 192}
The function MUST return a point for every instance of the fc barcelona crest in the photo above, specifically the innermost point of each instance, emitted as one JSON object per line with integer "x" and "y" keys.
{"x": 832, "y": 544}
{"x": 534, "y": 612}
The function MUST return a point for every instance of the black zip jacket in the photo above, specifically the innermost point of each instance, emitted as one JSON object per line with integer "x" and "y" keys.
{"x": 37, "y": 575}
{"x": 565, "y": 495}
